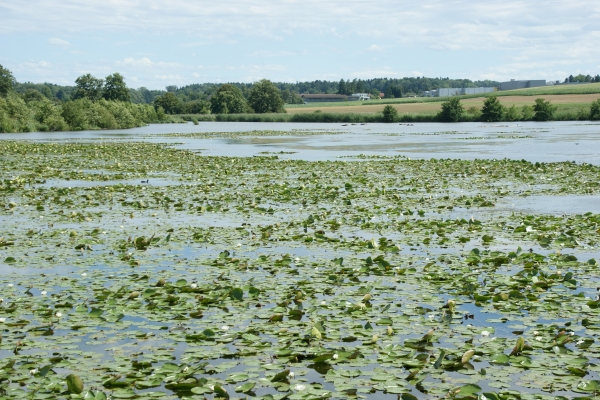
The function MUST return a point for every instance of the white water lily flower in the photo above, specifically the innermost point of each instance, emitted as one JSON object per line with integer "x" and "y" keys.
{"x": 296, "y": 259}
{"x": 571, "y": 333}
{"x": 580, "y": 341}
{"x": 193, "y": 286}
{"x": 485, "y": 333}
{"x": 211, "y": 387}
{"x": 224, "y": 328}
{"x": 44, "y": 292}
{"x": 291, "y": 375}
{"x": 239, "y": 245}
{"x": 299, "y": 387}
{"x": 431, "y": 316}
{"x": 84, "y": 274}
{"x": 2, "y": 319}
{"x": 535, "y": 333}
{"x": 33, "y": 371}
{"x": 335, "y": 356}
{"x": 539, "y": 338}
{"x": 323, "y": 303}
{"x": 58, "y": 314}
{"x": 10, "y": 285}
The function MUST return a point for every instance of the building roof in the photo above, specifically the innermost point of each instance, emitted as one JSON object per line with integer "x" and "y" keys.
{"x": 323, "y": 96}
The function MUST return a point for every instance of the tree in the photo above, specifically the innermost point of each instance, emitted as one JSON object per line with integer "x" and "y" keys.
{"x": 32, "y": 95}
{"x": 342, "y": 88}
{"x": 169, "y": 103}
{"x": 228, "y": 100}
{"x": 511, "y": 113}
{"x": 389, "y": 93}
{"x": 492, "y": 110}
{"x": 265, "y": 97}
{"x": 595, "y": 110}
{"x": 115, "y": 88}
{"x": 88, "y": 87}
{"x": 7, "y": 81}
{"x": 390, "y": 114}
{"x": 544, "y": 111}
{"x": 451, "y": 110}
{"x": 527, "y": 112}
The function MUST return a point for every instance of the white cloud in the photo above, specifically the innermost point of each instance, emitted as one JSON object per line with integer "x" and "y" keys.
{"x": 58, "y": 42}
{"x": 447, "y": 25}
{"x": 462, "y": 38}
{"x": 145, "y": 62}
{"x": 375, "y": 48}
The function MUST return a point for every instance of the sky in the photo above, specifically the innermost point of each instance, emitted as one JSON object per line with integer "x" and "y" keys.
{"x": 179, "y": 42}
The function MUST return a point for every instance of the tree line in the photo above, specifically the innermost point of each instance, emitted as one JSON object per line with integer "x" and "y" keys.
{"x": 582, "y": 78}
{"x": 452, "y": 110}
{"x": 196, "y": 98}
{"x": 94, "y": 104}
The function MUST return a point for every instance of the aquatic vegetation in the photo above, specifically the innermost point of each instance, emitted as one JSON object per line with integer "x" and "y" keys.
{"x": 276, "y": 278}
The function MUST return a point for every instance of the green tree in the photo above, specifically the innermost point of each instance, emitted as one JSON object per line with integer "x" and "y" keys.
{"x": 32, "y": 95}
{"x": 492, "y": 110}
{"x": 228, "y": 100}
{"x": 265, "y": 97}
{"x": 342, "y": 88}
{"x": 527, "y": 113}
{"x": 390, "y": 114}
{"x": 389, "y": 93}
{"x": 88, "y": 87}
{"x": 544, "y": 111}
{"x": 196, "y": 107}
{"x": 474, "y": 111}
{"x": 511, "y": 113}
{"x": 115, "y": 88}
{"x": 451, "y": 110}
{"x": 7, "y": 81}
{"x": 595, "y": 110}
{"x": 169, "y": 103}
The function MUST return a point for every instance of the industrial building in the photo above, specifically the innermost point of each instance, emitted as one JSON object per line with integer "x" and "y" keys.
{"x": 319, "y": 98}
{"x": 445, "y": 92}
{"x": 513, "y": 84}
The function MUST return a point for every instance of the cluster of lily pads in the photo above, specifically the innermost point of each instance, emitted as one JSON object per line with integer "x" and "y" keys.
{"x": 139, "y": 270}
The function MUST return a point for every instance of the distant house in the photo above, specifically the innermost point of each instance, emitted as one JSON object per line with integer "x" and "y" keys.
{"x": 513, "y": 84}
{"x": 381, "y": 95}
{"x": 318, "y": 98}
{"x": 359, "y": 96}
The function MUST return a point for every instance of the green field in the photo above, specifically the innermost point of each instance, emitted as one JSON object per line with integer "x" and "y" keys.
{"x": 538, "y": 91}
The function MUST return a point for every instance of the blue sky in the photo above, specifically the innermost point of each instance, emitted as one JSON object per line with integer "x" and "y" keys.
{"x": 159, "y": 43}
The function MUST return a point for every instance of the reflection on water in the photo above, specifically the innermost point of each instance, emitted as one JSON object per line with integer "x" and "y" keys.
{"x": 555, "y": 204}
{"x": 532, "y": 141}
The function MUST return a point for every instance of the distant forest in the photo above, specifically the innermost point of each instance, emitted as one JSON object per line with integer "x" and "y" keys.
{"x": 391, "y": 87}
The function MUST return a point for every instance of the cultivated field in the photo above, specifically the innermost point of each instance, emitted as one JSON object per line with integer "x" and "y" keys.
{"x": 568, "y": 101}
{"x": 556, "y": 94}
